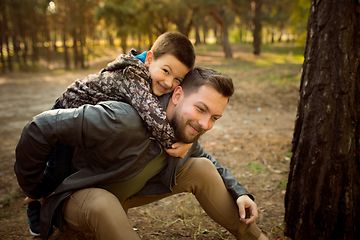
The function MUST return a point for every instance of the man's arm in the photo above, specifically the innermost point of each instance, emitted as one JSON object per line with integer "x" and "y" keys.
{"x": 84, "y": 127}
{"x": 232, "y": 185}
{"x": 247, "y": 207}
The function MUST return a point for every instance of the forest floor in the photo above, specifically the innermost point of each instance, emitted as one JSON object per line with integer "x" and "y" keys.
{"x": 253, "y": 140}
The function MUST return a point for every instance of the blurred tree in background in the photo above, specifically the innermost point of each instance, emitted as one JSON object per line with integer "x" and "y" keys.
{"x": 35, "y": 31}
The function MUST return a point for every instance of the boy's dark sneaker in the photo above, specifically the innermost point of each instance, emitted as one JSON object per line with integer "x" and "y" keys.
{"x": 33, "y": 214}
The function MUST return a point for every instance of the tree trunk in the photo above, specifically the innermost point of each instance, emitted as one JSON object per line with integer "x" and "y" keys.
{"x": 2, "y": 37}
{"x": 15, "y": 41}
{"x": 82, "y": 46}
{"x": 205, "y": 30}
{"x": 123, "y": 43}
{"x": 257, "y": 27}
{"x": 66, "y": 51}
{"x": 219, "y": 16}
{"x": 197, "y": 32}
{"x": 150, "y": 35}
{"x": 75, "y": 49}
{"x": 35, "y": 50}
{"x": 48, "y": 41}
{"x": 322, "y": 198}
{"x": 139, "y": 42}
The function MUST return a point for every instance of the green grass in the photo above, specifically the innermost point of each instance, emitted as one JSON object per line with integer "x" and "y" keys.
{"x": 277, "y": 63}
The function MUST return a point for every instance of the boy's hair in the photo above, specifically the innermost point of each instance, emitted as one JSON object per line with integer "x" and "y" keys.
{"x": 205, "y": 76}
{"x": 176, "y": 44}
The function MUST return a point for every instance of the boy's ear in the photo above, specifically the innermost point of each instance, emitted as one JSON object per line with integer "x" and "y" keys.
{"x": 177, "y": 94}
{"x": 149, "y": 58}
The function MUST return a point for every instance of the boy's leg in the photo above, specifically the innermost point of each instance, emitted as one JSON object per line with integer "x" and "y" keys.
{"x": 98, "y": 211}
{"x": 200, "y": 177}
{"x": 57, "y": 169}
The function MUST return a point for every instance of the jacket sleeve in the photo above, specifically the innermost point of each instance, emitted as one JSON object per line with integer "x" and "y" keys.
{"x": 136, "y": 86}
{"x": 232, "y": 185}
{"x": 66, "y": 127}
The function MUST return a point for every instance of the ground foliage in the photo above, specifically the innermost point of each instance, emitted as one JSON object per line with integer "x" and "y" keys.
{"x": 253, "y": 140}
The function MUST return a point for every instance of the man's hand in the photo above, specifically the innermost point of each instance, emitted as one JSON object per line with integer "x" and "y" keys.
{"x": 178, "y": 149}
{"x": 247, "y": 209}
{"x": 29, "y": 200}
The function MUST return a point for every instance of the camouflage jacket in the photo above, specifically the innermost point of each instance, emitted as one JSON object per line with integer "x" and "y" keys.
{"x": 126, "y": 79}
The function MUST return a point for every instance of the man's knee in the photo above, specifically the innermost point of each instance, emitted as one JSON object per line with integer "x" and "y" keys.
{"x": 204, "y": 167}
{"x": 101, "y": 204}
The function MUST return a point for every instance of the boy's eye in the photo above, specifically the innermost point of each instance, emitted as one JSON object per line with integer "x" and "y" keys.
{"x": 166, "y": 71}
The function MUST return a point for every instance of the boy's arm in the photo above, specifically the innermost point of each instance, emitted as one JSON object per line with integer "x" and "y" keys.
{"x": 179, "y": 149}
{"x": 139, "y": 94}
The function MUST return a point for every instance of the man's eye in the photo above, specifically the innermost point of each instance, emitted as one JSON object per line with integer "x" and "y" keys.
{"x": 200, "y": 109}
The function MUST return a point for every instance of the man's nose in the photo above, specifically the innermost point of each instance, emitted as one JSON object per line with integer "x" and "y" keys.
{"x": 205, "y": 123}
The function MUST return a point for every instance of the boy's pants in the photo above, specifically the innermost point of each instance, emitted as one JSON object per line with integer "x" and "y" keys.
{"x": 98, "y": 211}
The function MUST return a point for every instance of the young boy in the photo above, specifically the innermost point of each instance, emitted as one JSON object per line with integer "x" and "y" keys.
{"x": 137, "y": 79}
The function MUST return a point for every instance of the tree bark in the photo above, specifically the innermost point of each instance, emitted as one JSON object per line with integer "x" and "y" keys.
{"x": 322, "y": 198}
{"x": 257, "y": 27}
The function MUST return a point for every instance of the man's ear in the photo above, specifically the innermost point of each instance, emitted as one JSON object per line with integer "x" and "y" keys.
{"x": 177, "y": 94}
{"x": 149, "y": 58}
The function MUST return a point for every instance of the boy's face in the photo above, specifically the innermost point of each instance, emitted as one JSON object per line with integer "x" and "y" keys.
{"x": 167, "y": 72}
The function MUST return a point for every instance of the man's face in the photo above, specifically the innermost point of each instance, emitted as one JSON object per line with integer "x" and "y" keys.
{"x": 197, "y": 113}
{"x": 166, "y": 72}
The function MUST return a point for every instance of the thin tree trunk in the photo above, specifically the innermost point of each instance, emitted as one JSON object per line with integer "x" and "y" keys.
{"x": 48, "y": 40}
{"x": 205, "y": 30}
{"x": 323, "y": 190}
{"x": 123, "y": 43}
{"x": 197, "y": 34}
{"x": 139, "y": 42}
{"x": 82, "y": 46}
{"x": 35, "y": 50}
{"x": 219, "y": 16}
{"x": 2, "y": 37}
{"x": 66, "y": 51}
{"x": 75, "y": 49}
{"x": 257, "y": 27}
{"x": 15, "y": 41}
{"x": 150, "y": 35}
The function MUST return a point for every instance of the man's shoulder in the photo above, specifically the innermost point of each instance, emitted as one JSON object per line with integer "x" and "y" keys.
{"x": 117, "y": 108}
{"x": 119, "y": 112}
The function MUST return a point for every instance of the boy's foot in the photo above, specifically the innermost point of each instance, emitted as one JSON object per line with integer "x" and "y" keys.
{"x": 33, "y": 214}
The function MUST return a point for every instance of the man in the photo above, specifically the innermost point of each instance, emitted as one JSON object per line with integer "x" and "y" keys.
{"x": 117, "y": 165}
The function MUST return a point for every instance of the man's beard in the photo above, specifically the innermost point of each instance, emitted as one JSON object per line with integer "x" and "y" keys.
{"x": 179, "y": 129}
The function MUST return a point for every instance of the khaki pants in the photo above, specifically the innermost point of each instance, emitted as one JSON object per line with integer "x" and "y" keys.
{"x": 98, "y": 211}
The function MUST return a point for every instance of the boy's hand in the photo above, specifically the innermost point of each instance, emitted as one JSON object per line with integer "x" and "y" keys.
{"x": 29, "y": 200}
{"x": 178, "y": 149}
{"x": 247, "y": 209}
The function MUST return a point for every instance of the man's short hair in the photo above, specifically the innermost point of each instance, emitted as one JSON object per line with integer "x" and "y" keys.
{"x": 176, "y": 44}
{"x": 205, "y": 76}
